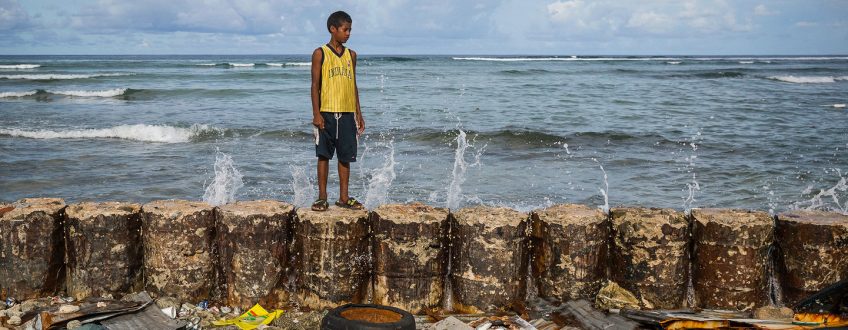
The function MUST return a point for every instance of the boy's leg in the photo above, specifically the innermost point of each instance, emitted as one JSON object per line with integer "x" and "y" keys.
{"x": 323, "y": 171}
{"x": 344, "y": 177}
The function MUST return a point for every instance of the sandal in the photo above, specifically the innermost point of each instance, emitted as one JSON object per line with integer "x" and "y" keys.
{"x": 320, "y": 205}
{"x": 352, "y": 204}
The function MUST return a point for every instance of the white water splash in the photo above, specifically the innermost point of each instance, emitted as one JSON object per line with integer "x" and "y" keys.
{"x": 693, "y": 186}
{"x": 833, "y": 194}
{"x": 223, "y": 188}
{"x": 460, "y": 166}
{"x": 381, "y": 180}
{"x": 605, "y": 190}
{"x": 304, "y": 190}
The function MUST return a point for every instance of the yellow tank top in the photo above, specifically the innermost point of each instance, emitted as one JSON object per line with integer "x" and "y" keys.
{"x": 338, "y": 89}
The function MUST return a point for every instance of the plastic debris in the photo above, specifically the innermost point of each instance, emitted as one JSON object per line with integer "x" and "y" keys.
{"x": 203, "y": 304}
{"x": 10, "y": 302}
{"x": 253, "y": 318}
{"x": 170, "y": 312}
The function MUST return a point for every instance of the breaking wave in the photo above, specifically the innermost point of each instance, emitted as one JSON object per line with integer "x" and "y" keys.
{"x": 808, "y": 79}
{"x": 19, "y": 66}
{"x": 138, "y": 132}
{"x": 50, "y": 76}
{"x": 17, "y": 94}
{"x": 103, "y": 93}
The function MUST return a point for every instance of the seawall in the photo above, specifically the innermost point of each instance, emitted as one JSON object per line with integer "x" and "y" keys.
{"x": 415, "y": 256}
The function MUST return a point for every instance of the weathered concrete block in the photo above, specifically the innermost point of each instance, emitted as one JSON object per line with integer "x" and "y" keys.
{"x": 570, "y": 251}
{"x": 32, "y": 248}
{"x": 332, "y": 257}
{"x": 253, "y": 256}
{"x": 489, "y": 252}
{"x": 650, "y": 255}
{"x": 178, "y": 241}
{"x": 815, "y": 251}
{"x": 730, "y": 257}
{"x": 103, "y": 249}
{"x": 410, "y": 255}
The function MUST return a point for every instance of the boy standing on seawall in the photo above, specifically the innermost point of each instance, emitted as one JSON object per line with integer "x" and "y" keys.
{"x": 335, "y": 109}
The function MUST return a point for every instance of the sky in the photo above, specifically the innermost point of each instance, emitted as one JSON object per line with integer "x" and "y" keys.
{"x": 490, "y": 27}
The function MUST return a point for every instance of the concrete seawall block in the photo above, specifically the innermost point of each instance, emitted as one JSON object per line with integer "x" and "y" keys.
{"x": 650, "y": 255}
{"x": 730, "y": 257}
{"x": 489, "y": 256}
{"x": 410, "y": 255}
{"x": 103, "y": 249}
{"x": 814, "y": 247}
{"x": 332, "y": 257}
{"x": 252, "y": 246}
{"x": 570, "y": 251}
{"x": 178, "y": 239}
{"x": 32, "y": 248}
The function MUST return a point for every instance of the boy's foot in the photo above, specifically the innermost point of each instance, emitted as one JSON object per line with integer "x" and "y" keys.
{"x": 352, "y": 204}
{"x": 320, "y": 205}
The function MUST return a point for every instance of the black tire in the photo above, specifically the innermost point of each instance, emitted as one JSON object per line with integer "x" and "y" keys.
{"x": 334, "y": 320}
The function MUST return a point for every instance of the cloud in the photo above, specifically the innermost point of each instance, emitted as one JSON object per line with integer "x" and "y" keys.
{"x": 205, "y": 16}
{"x": 651, "y": 22}
{"x": 806, "y": 24}
{"x": 13, "y": 16}
{"x": 762, "y": 10}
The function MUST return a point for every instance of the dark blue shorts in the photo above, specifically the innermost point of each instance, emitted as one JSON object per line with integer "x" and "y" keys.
{"x": 338, "y": 136}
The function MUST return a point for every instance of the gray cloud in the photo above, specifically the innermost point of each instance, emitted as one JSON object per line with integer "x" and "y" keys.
{"x": 13, "y": 16}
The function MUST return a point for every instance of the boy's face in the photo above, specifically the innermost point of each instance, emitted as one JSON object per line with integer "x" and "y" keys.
{"x": 341, "y": 33}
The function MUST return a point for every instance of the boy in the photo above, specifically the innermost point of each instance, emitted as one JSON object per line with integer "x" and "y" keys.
{"x": 335, "y": 109}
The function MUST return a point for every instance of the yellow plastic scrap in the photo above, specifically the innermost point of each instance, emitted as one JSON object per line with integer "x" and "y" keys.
{"x": 251, "y": 319}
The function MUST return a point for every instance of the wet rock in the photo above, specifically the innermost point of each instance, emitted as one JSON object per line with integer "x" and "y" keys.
{"x": 409, "y": 255}
{"x": 332, "y": 257}
{"x": 774, "y": 313}
{"x": 253, "y": 254}
{"x": 730, "y": 257}
{"x": 74, "y": 324}
{"x": 103, "y": 244}
{"x": 650, "y": 254}
{"x": 32, "y": 248}
{"x": 488, "y": 258}
{"x": 570, "y": 251}
{"x": 65, "y": 309}
{"x": 814, "y": 247}
{"x": 613, "y": 296}
{"x": 178, "y": 243}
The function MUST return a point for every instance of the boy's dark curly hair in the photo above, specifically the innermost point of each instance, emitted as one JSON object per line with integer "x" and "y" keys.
{"x": 337, "y": 19}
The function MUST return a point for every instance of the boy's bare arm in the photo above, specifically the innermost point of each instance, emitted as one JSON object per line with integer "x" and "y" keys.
{"x": 359, "y": 118}
{"x": 317, "y": 57}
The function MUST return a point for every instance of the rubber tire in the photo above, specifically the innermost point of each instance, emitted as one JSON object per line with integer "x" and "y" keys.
{"x": 334, "y": 320}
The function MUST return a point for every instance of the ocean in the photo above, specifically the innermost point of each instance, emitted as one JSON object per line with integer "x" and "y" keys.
{"x": 763, "y": 132}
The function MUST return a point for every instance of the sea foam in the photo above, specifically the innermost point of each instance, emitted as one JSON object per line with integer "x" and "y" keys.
{"x": 19, "y": 66}
{"x": 808, "y": 79}
{"x": 138, "y": 132}
{"x": 241, "y": 65}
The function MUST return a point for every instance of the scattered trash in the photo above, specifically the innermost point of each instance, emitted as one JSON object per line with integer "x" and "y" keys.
{"x": 170, "y": 312}
{"x": 226, "y": 310}
{"x": 10, "y": 302}
{"x": 14, "y": 320}
{"x": 251, "y": 319}
{"x": 203, "y": 304}
{"x": 613, "y": 296}
{"x": 451, "y": 323}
